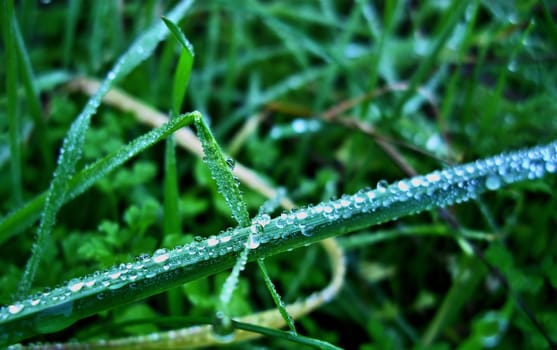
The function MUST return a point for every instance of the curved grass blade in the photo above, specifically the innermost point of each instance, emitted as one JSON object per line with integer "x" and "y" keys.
{"x": 70, "y": 153}
{"x": 83, "y": 180}
{"x": 149, "y": 275}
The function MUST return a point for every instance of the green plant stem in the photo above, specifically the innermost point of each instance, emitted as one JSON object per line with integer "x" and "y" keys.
{"x": 149, "y": 275}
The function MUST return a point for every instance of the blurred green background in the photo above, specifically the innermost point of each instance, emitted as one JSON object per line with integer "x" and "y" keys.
{"x": 436, "y": 82}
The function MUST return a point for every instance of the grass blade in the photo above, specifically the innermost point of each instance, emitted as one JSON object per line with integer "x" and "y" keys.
{"x": 276, "y": 297}
{"x": 8, "y": 26}
{"x": 172, "y": 220}
{"x": 295, "y": 338}
{"x": 167, "y": 269}
{"x": 221, "y": 172}
{"x": 32, "y": 96}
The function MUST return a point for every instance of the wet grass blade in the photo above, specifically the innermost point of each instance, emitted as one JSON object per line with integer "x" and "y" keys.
{"x": 276, "y": 297}
{"x": 167, "y": 269}
{"x": 221, "y": 171}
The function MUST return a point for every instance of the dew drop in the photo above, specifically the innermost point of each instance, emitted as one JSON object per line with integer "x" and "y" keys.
{"x": 15, "y": 308}
{"x": 492, "y": 182}
{"x": 382, "y": 186}
{"x": 75, "y": 285}
{"x": 305, "y": 230}
{"x": 281, "y": 221}
{"x": 222, "y": 328}
{"x": 253, "y": 242}
{"x": 256, "y": 228}
{"x": 403, "y": 186}
{"x": 264, "y": 219}
{"x": 212, "y": 241}
{"x": 231, "y": 163}
{"x": 160, "y": 256}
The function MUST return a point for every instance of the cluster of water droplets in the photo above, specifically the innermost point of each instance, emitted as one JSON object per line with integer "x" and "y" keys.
{"x": 145, "y": 266}
{"x": 437, "y": 189}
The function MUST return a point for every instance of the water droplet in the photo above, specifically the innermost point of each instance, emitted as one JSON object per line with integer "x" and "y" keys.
{"x": 301, "y": 215}
{"x": 160, "y": 256}
{"x": 403, "y": 186}
{"x": 281, "y": 221}
{"x": 492, "y": 182}
{"x": 212, "y": 241}
{"x": 100, "y": 296}
{"x": 15, "y": 308}
{"x": 382, "y": 186}
{"x": 231, "y": 163}
{"x": 114, "y": 274}
{"x": 305, "y": 230}
{"x": 256, "y": 228}
{"x": 222, "y": 328}
{"x": 253, "y": 242}
{"x": 75, "y": 285}
{"x": 264, "y": 219}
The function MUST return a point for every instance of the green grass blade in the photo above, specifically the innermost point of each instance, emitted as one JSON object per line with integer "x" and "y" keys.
{"x": 181, "y": 78}
{"x": 70, "y": 152}
{"x": 275, "y": 333}
{"x": 83, "y": 180}
{"x": 185, "y": 64}
{"x": 74, "y": 9}
{"x": 172, "y": 223}
{"x": 172, "y": 220}
{"x": 276, "y": 297}
{"x": 8, "y": 26}
{"x": 167, "y": 269}
{"x": 221, "y": 171}
{"x": 32, "y": 98}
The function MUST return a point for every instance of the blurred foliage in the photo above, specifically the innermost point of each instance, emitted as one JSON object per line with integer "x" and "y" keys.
{"x": 489, "y": 88}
